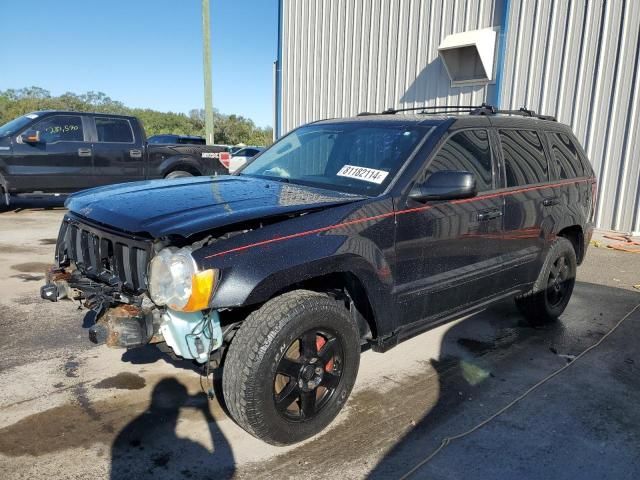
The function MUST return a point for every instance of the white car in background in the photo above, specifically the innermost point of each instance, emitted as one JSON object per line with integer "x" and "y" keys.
{"x": 242, "y": 156}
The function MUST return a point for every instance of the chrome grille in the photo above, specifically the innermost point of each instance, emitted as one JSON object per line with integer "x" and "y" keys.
{"x": 105, "y": 256}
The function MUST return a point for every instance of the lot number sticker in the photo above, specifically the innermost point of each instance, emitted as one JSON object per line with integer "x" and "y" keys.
{"x": 363, "y": 173}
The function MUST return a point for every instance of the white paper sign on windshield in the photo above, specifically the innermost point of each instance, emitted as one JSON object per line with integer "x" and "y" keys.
{"x": 363, "y": 173}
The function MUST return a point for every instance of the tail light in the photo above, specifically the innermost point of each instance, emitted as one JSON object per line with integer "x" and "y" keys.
{"x": 225, "y": 159}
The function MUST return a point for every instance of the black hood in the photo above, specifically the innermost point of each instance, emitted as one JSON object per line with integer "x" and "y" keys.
{"x": 190, "y": 206}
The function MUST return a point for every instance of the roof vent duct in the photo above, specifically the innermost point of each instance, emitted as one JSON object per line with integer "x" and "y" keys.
{"x": 469, "y": 57}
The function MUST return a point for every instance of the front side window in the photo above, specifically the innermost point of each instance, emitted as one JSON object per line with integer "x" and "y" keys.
{"x": 61, "y": 128}
{"x": 524, "y": 159}
{"x": 350, "y": 157}
{"x": 466, "y": 151}
{"x": 116, "y": 130}
{"x": 565, "y": 153}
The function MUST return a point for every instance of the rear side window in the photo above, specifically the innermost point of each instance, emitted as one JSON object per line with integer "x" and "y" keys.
{"x": 117, "y": 130}
{"x": 524, "y": 159}
{"x": 467, "y": 151}
{"x": 61, "y": 128}
{"x": 566, "y": 157}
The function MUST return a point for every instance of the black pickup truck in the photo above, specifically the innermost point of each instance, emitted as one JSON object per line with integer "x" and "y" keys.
{"x": 60, "y": 152}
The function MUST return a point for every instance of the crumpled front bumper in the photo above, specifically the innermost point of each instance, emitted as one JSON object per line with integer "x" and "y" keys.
{"x": 118, "y": 320}
{"x": 121, "y": 320}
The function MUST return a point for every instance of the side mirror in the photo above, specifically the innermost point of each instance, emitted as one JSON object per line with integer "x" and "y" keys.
{"x": 445, "y": 185}
{"x": 31, "y": 136}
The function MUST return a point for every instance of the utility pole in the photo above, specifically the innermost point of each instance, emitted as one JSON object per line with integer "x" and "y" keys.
{"x": 206, "y": 64}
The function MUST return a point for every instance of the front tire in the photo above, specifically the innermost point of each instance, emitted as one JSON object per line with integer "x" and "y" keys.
{"x": 291, "y": 367}
{"x": 553, "y": 288}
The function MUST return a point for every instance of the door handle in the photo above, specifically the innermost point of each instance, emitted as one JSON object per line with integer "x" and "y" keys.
{"x": 84, "y": 152}
{"x": 549, "y": 202}
{"x": 489, "y": 215}
{"x": 135, "y": 153}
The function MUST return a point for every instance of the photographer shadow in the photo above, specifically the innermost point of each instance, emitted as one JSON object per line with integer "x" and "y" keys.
{"x": 149, "y": 447}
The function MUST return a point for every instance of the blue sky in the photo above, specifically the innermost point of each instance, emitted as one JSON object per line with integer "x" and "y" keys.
{"x": 145, "y": 53}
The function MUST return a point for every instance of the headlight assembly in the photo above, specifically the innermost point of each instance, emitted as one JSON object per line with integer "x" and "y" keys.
{"x": 175, "y": 281}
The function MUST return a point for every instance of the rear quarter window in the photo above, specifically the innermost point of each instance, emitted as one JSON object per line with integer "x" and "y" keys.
{"x": 566, "y": 157}
{"x": 524, "y": 160}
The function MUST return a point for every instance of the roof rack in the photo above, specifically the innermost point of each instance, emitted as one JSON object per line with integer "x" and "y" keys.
{"x": 484, "y": 109}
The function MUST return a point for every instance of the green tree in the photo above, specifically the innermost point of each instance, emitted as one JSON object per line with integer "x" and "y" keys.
{"x": 229, "y": 129}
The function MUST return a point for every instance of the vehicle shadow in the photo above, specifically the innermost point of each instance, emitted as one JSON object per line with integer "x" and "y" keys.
{"x": 150, "y": 447}
{"x": 485, "y": 361}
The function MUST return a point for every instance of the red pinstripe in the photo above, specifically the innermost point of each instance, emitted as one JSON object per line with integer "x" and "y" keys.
{"x": 389, "y": 214}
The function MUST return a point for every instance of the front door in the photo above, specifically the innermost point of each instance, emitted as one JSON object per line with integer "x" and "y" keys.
{"x": 448, "y": 251}
{"x": 60, "y": 162}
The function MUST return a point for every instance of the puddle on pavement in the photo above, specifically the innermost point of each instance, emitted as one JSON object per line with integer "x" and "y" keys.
{"x": 31, "y": 267}
{"x": 122, "y": 381}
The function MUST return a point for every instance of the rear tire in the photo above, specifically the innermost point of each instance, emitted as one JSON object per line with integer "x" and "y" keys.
{"x": 291, "y": 367}
{"x": 178, "y": 174}
{"x": 552, "y": 290}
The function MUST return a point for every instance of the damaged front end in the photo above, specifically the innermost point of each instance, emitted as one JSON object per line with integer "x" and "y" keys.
{"x": 107, "y": 273}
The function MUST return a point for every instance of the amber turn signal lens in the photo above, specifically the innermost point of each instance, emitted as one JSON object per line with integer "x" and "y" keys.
{"x": 202, "y": 284}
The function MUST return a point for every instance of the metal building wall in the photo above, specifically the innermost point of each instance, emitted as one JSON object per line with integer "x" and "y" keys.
{"x": 342, "y": 57}
{"x": 576, "y": 59}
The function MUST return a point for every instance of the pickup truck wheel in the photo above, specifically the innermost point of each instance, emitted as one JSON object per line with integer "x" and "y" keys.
{"x": 4, "y": 197}
{"x": 178, "y": 174}
{"x": 553, "y": 288}
{"x": 291, "y": 367}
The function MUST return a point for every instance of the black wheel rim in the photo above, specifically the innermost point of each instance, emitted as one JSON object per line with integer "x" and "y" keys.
{"x": 308, "y": 374}
{"x": 558, "y": 283}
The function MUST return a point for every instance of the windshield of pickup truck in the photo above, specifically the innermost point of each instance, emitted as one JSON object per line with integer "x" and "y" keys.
{"x": 16, "y": 124}
{"x": 350, "y": 157}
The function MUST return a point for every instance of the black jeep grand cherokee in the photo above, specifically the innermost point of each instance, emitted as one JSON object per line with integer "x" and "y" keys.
{"x": 344, "y": 234}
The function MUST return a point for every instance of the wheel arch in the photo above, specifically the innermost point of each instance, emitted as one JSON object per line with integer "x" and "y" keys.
{"x": 345, "y": 287}
{"x": 575, "y": 235}
{"x": 174, "y": 164}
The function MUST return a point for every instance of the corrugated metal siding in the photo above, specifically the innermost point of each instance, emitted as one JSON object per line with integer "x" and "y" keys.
{"x": 342, "y": 57}
{"x": 578, "y": 60}
{"x": 575, "y": 59}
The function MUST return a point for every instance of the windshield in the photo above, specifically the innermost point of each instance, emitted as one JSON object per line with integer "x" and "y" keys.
{"x": 16, "y": 124}
{"x": 349, "y": 157}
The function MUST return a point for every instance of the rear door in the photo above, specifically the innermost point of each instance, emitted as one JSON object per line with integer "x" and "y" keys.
{"x": 118, "y": 154}
{"x": 60, "y": 162}
{"x": 529, "y": 203}
{"x": 448, "y": 251}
